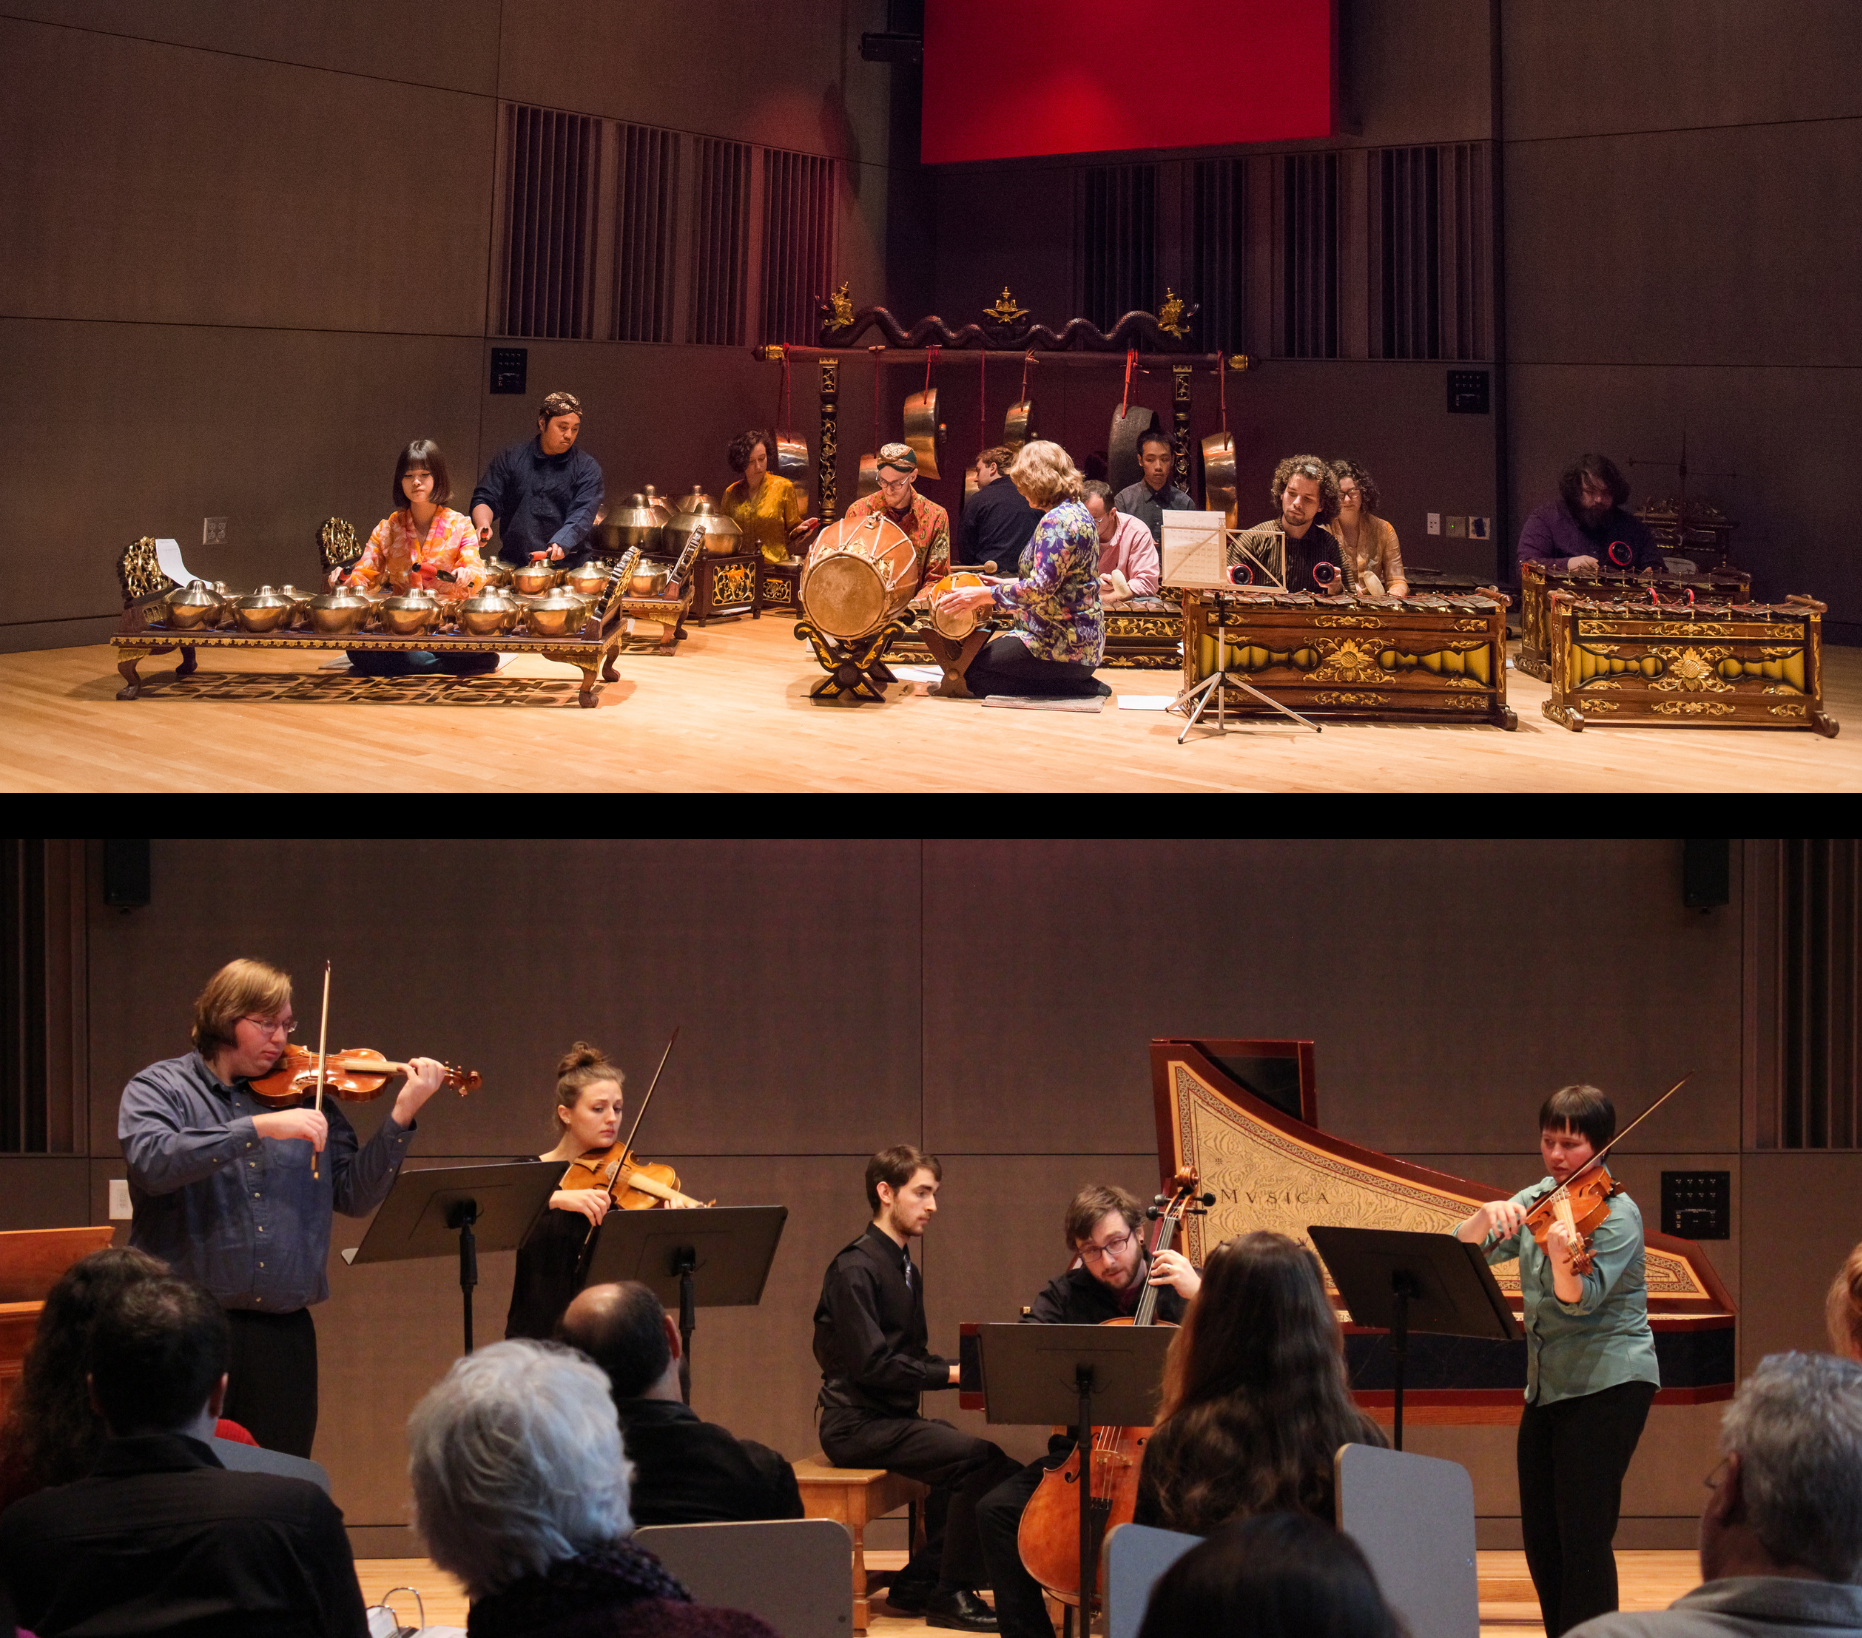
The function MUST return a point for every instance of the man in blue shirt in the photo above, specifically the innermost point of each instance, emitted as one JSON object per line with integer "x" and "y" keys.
{"x": 221, "y": 1189}
{"x": 544, "y": 492}
{"x": 1587, "y": 528}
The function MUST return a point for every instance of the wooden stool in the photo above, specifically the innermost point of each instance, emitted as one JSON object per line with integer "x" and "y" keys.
{"x": 853, "y": 1496}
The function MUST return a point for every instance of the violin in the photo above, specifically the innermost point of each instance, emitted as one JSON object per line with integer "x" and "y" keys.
{"x": 1049, "y": 1536}
{"x": 630, "y": 1183}
{"x": 355, "y": 1075}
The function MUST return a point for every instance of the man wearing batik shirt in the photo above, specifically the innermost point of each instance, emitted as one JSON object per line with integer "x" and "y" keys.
{"x": 926, "y": 524}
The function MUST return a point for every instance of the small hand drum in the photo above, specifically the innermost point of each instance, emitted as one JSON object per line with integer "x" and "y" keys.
{"x": 955, "y": 626}
{"x": 860, "y": 572}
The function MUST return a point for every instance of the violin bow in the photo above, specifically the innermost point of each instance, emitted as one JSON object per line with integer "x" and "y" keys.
{"x": 323, "y": 1048}
{"x": 639, "y": 1115}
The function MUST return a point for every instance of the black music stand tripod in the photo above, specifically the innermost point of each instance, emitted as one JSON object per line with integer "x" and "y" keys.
{"x": 1398, "y": 1281}
{"x": 1088, "y": 1376}
{"x": 709, "y": 1257}
{"x": 462, "y": 1209}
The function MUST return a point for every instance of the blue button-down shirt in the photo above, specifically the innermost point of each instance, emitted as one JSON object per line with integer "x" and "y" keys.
{"x": 238, "y": 1212}
{"x": 1601, "y": 1340}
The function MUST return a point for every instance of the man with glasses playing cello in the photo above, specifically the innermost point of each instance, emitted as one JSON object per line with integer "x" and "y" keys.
{"x": 221, "y": 1189}
{"x": 1105, "y": 1230}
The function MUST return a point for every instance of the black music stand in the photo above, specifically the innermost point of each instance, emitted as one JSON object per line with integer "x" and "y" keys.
{"x": 1398, "y": 1281}
{"x": 714, "y": 1257}
{"x": 1083, "y": 1375}
{"x": 432, "y": 1213}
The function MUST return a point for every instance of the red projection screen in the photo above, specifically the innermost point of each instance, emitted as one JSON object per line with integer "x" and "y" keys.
{"x": 1092, "y": 76}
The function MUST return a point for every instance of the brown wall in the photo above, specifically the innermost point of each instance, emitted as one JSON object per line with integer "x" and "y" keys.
{"x": 993, "y": 1001}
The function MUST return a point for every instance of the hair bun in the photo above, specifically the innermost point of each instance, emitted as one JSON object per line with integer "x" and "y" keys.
{"x": 580, "y": 1056}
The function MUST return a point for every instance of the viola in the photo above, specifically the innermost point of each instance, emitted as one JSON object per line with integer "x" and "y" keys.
{"x": 354, "y": 1075}
{"x": 631, "y": 1184}
{"x": 1049, "y": 1537}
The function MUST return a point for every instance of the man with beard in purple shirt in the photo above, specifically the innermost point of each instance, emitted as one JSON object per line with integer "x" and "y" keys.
{"x": 1576, "y": 532}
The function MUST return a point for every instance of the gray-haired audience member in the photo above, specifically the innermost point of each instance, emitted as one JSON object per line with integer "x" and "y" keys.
{"x": 1781, "y": 1533}
{"x": 521, "y": 1490}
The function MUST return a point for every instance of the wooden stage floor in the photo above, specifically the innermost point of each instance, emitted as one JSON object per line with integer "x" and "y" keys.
{"x": 731, "y": 712}
{"x": 1647, "y": 1581}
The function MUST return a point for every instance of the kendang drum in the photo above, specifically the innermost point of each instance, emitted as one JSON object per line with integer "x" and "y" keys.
{"x": 955, "y": 626}
{"x": 859, "y": 573}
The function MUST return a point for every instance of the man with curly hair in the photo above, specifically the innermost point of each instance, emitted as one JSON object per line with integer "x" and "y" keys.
{"x": 1306, "y": 493}
{"x": 1589, "y": 526}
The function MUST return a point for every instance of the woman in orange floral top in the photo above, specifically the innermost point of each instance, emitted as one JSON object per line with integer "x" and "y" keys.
{"x": 765, "y": 505}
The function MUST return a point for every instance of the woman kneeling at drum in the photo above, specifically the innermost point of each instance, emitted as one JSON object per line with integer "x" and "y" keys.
{"x": 1062, "y": 626}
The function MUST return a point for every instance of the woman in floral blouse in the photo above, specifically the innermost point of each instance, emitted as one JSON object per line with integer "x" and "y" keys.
{"x": 1061, "y": 627}
{"x": 764, "y": 504}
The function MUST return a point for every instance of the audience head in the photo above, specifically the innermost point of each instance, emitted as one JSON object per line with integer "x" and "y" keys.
{"x": 239, "y": 1006}
{"x": 993, "y": 462}
{"x": 516, "y": 1463}
{"x": 1045, "y": 474}
{"x": 1843, "y": 1308}
{"x": 559, "y": 422}
{"x": 1277, "y": 1575}
{"x": 750, "y": 453}
{"x": 53, "y": 1431}
{"x": 1787, "y": 1495}
{"x": 1255, "y": 1383}
{"x": 623, "y": 1328}
{"x": 1357, "y": 492}
{"x": 1156, "y": 454}
{"x": 1097, "y": 494}
{"x": 158, "y": 1356}
{"x": 588, "y": 1097}
{"x": 1305, "y": 491}
{"x": 1591, "y": 486}
{"x": 422, "y": 456}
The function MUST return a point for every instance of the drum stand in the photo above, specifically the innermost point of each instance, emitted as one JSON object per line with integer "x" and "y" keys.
{"x": 857, "y": 667}
{"x": 1212, "y": 684}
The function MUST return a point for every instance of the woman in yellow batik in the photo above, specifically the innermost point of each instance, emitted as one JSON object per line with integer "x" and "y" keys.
{"x": 766, "y": 506}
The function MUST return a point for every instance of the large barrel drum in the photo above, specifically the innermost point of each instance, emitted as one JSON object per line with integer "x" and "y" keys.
{"x": 860, "y": 572}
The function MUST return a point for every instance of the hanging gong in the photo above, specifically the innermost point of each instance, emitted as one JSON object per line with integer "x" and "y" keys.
{"x": 1123, "y": 468}
{"x": 1219, "y": 474}
{"x": 869, "y": 476}
{"x": 923, "y": 431}
{"x": 1018, "y": 424}
{"x": 792, "y": 458}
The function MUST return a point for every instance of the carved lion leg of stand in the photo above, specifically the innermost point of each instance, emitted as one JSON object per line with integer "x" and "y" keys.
{"x": 126, "y": 663}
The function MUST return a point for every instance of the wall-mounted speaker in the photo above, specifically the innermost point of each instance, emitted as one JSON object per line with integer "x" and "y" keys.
{"x": 126, "y": 872}
{"x": 1706, "y": 874}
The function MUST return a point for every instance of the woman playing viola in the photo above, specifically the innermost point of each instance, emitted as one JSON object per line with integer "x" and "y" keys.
{"x": 1590, "y": 1365}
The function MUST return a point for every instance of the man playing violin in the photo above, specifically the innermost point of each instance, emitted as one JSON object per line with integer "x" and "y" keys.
{"x": 221, "y": 1189}
{"x": 1105, "y": 1232}
{"x": 1591, "y": 1372}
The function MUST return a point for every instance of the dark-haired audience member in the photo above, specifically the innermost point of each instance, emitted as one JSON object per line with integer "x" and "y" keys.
{"x": 1275, "y": 1575}
{"x": 997, "y": 519}
{"x": 1591, "y": 1372}
{"x": 766, "y": 506}
{"x": 685, "y": 1471}
{"x": 1373, "y": 563}
{"x": 1843, "y": 1307}
{"x": 1125, "y": 545}
{"x": 543, "y": 492}
{"x": 1781, "y": 1529}
{"x": 53, "y": 1432}
{"x": 1576, "y": 532}
{"x": 1306, "y": 495}
{"x": 521, "y": 1490}
{"x": 1256, "y": 1401}
{"x": 160, "y": 1537}
{"x": 1154, "y": 494}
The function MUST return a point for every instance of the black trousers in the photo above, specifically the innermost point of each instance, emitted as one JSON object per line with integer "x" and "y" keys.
{"x": 1572, "y": 1458}
{"x": 1021, "y": 1612}
{"x": 1004, "y": 666}
{"x": 960, "y": 1470}
{"x": 271, "y": 1388}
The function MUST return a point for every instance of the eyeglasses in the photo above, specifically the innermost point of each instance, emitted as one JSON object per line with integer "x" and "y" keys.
{"x": 269, "y": 1026}
{"x": 1109, "y": 1252}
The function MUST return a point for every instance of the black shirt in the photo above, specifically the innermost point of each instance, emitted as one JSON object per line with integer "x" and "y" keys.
{"x": 1149, "y": 505}
{"x": 1304, "y": 554}
{"x": 870, "y": 1331}
{"x": 997, "y": 524}
{"x": 549, "y": 1272}
{"x": 1076, "y": 1298}
{"x": 161, "y": 1538}
{"x": 692, "y": 1472}
{"x": 542, "y": 501}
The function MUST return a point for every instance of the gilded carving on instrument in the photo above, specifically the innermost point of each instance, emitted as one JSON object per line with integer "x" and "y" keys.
{"x": 1693, "y": 670}
{"x": 1780, "y": 688}
{"x": 841, "y": 305}
{"x": 1351, "y": 699}
{"x": 1787, "y": 710}
{"x": 1470, "y": 625}
{"x": 1170, "y": 315}
{"x": 1005, "y": 311}
{"x": 1350, "y": 661}
{"x": 1693, "y": 708}
{"x": 1347, "y": 620}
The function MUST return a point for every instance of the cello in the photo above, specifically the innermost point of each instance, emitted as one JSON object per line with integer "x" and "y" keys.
{"x": 1049, "y": 1536}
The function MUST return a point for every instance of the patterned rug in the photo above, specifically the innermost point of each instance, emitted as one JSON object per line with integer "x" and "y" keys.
{"x": 345, "y": 688}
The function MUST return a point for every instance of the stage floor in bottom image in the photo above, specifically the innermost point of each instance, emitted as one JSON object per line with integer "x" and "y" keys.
{"x": 731, "y": 711}
{"x": 1646, "y": 1581}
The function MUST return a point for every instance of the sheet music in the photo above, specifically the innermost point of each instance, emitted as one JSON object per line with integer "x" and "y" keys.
{"x": 168, "y": 556}
{"x": 1195, "y": 549}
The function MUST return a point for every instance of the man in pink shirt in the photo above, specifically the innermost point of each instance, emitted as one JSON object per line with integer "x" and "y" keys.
{"x": 1125, "y": 544}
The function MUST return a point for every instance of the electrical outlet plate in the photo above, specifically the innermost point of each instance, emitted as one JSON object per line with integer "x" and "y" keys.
{"x": 1435, "y": 523}
{"x": 213, "y": 531}
{"x": 1456, "y": 527}
{"x": 119, "y": 1200}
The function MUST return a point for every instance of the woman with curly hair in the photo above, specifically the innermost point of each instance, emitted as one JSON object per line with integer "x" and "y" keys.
{"x": 1373, "y": 564}
{"x": 764, "y": 504}
{"x": 1256, "y": 1401}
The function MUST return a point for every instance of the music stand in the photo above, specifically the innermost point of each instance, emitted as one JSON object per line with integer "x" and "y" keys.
{"x": 1082, "y": 1375}
{"x": 1399, "y": 1281}
{"x": 430, "y": 1213}
{"x": 717, "y": 1257}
